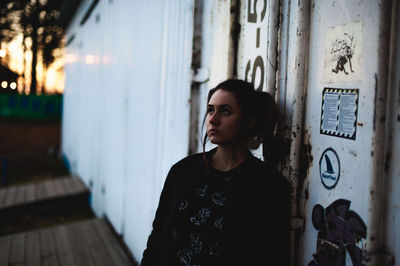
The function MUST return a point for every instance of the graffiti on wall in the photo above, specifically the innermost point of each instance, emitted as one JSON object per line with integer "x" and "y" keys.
{"x": 340, "y": 232}
{"x": 343, "y": 49}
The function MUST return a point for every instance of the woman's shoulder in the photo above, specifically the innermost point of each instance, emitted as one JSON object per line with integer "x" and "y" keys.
{"x": 190, "y": 161}
{"x": 268, "y": 172}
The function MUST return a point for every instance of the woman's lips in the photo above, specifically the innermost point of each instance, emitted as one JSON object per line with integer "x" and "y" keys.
{"x": 213, "y": 132}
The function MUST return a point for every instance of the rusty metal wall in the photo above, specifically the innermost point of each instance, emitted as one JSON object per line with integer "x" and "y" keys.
{"x": 342, "y": 196}
{"x": 330, "y": 79}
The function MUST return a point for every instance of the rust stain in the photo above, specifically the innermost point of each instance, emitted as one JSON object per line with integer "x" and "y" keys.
{"x": 375, "y": 101}
{"x": 360, "y": 124}
{"x": 354, "y": 153}
{"x": 306, "y": 193}
{"x": 306, "y": 157}
{"x": 388, "y": 160}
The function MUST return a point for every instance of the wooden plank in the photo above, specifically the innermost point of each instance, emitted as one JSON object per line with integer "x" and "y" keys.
{"x": 40, "y": 190}
{"x": 5, "y": 246}
{"x": 68, "y": 185}
{"x": 77, "y": 185}
{"x": 3, "y": 195}
{"x": 94, "y": 244}
{"x": 63, "y": 247}
{"x": 50, "y": 188}
{"x": 19, "y": 195}
{"x": 32, "y": 245}
{"x": 17, "y": 251}
{"x": 81, "y": 253}
{"x": 30, "y": 192}
{"x": 10, "y": 196}
{"x": 59, "y": 188}
{"x": 64, "y": 188}
{"x": 48, "y": 248}
{"x": 114, "y": 249}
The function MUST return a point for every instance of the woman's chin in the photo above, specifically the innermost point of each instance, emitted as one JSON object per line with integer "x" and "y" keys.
{"x": 215, "y": 140}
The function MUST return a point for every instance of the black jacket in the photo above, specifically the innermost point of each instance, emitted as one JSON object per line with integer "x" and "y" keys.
{"x": 256, "y": 223}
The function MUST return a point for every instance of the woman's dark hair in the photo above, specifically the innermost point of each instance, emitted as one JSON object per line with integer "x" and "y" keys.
{"x": 260, "y": 113}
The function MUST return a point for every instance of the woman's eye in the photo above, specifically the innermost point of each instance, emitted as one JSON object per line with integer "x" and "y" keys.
{"x": 210, "y": 111}
{"x": 225, "y": 111}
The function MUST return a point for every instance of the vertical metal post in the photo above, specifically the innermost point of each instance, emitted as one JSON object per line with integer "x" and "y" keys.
{"x": 377, "y": 231}
{"x": 294, "y": 58}
{"x": 196, "y": 79}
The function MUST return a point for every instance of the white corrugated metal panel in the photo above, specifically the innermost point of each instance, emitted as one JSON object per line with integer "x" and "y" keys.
{"x": 126, "y": 106}
{"x": 159, "y": 112}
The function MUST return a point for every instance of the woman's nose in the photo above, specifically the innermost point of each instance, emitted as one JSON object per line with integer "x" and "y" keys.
{"x": 214, "y": 119}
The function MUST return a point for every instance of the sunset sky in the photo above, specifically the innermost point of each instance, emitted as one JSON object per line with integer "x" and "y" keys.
{"x": 55, "y": 74}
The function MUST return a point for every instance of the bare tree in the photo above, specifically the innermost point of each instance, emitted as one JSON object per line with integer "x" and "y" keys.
{"x": 36, "y": 20}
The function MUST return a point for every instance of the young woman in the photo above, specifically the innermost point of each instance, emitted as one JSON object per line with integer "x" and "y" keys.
{"x": 225, "y": 206}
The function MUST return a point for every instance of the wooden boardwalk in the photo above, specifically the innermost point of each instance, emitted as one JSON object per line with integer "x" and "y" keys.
{"x": 41, "y": 191}
{"x": 86, "y": 243}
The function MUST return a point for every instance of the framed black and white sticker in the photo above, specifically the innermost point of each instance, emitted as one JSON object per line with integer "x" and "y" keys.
{"x": 329, "y": 168}
{"x": 339, "y": 112}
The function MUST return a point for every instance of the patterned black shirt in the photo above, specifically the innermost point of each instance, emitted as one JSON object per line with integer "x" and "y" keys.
{"x": 200, "y": 217}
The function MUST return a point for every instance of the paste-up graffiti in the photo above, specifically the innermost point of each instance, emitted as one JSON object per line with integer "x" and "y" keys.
{"x": 343, "y": 49}
{"x": 340, "y": 232}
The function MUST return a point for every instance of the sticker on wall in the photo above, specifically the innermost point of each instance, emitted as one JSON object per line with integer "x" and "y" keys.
{"x": 343, "y": 53}
{"x": 339, "y": 112}
{"x": 329, "y": 168}
{"x": 340, "y": 232}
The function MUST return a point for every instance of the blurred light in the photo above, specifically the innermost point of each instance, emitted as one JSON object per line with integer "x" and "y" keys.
{"x": 90, "y": 59}
{"x": 13, "y": 85}
{"x": 71, "y": 58}
{"x": 4, "y": 84}
{"x": 2, "y": 53}
{"x": 105, "y": 60}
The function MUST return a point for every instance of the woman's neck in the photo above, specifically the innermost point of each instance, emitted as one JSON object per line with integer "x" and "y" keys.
{"x": 228, "y": 157}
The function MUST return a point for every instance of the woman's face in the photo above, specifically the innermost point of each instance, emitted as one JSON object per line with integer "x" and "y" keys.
{"x": 224, "y": 119}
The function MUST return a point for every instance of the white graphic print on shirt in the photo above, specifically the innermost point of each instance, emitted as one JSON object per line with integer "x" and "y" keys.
{"x": 185, "y": 256}
{"x": 218, "y": 223}
{"x": 201, "y": 216}
{"x": 219, "y": 198}
{"x": 195, "y": 243}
